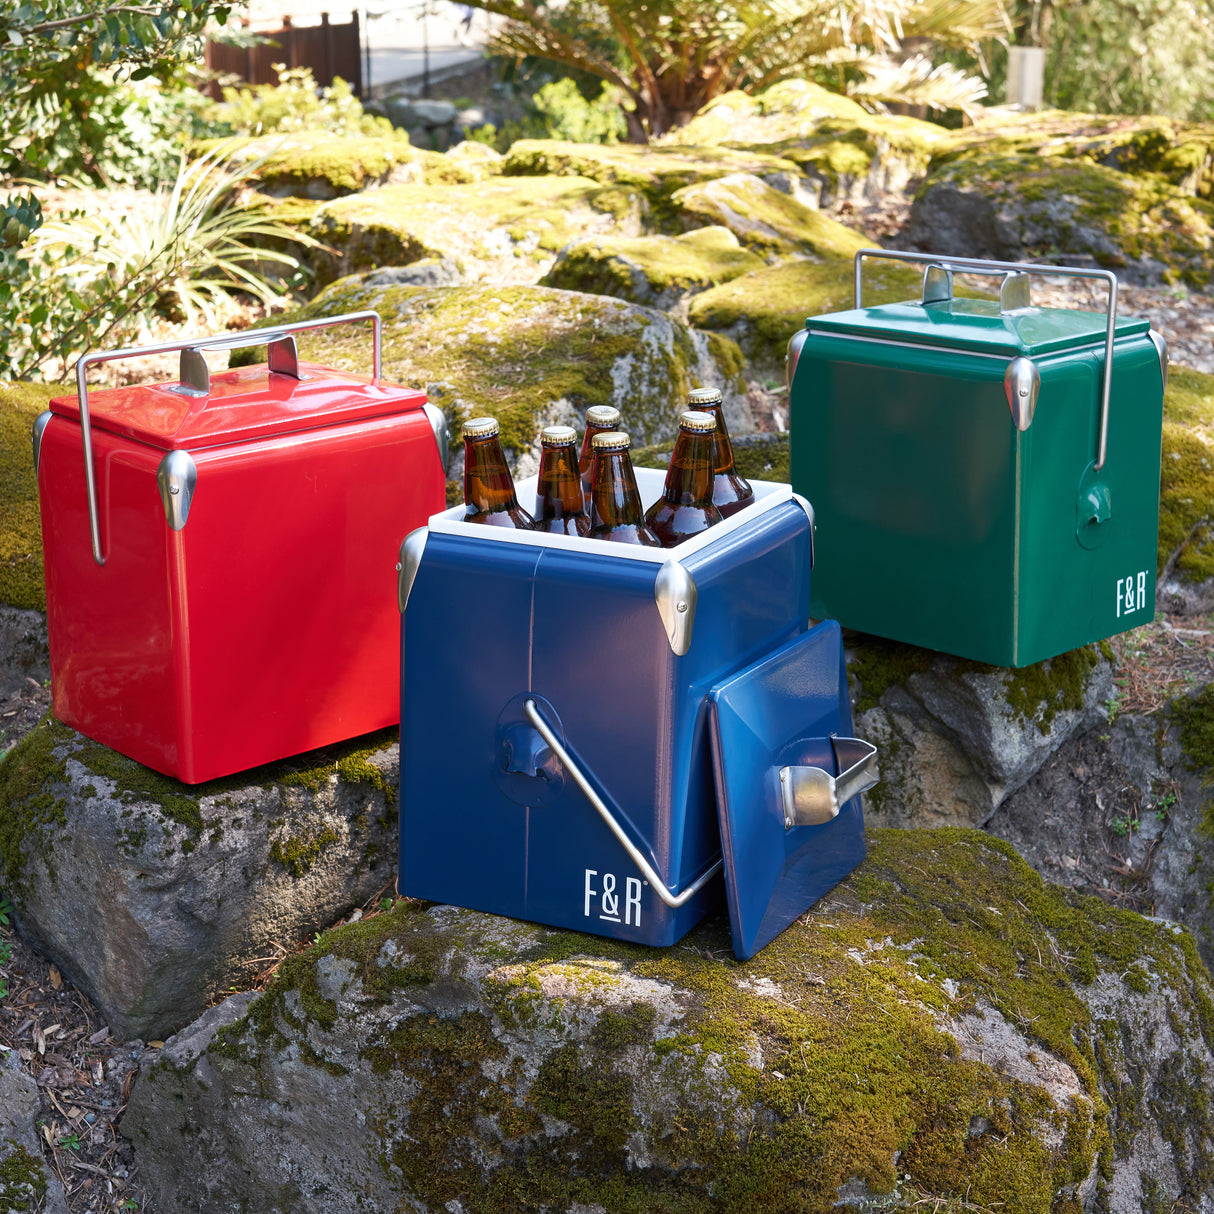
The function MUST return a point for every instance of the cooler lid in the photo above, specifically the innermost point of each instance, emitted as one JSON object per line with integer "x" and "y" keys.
{"x": 246, "y": 403}
{"x": 979, "y": 325}
{"x": 789, "y": 715}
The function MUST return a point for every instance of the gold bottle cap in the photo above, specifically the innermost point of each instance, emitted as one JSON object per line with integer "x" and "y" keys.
{"x": 696, "y": 422}
{"x": 602, "y": 415}
{"x": 611, "y": 440}
{"x": 481, "y": 427}
{"x": 704, "y": 396}
{"x": 558, "y": 436}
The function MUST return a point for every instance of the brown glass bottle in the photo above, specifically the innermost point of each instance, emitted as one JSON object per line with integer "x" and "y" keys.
{"x": 730, "y": 492}
{"x": 685, "y": 507}
{"x": 488, "y": 486}
{"x": 599, "y": 420}
{"x": 559, "y": 504}
{"x": 615, "y": 502}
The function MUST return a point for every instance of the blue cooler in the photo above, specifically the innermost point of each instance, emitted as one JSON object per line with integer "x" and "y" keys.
{"x": 605, "y": 737}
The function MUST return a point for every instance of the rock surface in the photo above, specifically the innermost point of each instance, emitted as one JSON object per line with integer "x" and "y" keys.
{"x": 957, "y": 738}
{"x": 26, "y": 1183}
{"x": 942, "y": 1024}
{"x": 154, "y": 897}
{"x": 531, "y": 357}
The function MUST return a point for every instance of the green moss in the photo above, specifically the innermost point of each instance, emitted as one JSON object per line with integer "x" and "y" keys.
{"x": 22, "y": 1179}
{"x": 651, "y": 268}
{"x": 756, "y": 457}
{"x": 33, "y": 800}
{"x": 298, "y": 853}
{"x": 1040, "y": 692}
{"x": 520, "y": 354}
{"x": 21, "y": 583}
{"x": 878, "y": 665}
{"x": 849, "y": 1072}
{"x": 764, "y": 309}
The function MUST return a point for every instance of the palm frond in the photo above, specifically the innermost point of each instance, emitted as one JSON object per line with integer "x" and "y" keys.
{"x": 916, "y": 82}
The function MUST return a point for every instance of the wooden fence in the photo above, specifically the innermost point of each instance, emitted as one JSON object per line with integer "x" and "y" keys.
{"x": 329, "y": 50}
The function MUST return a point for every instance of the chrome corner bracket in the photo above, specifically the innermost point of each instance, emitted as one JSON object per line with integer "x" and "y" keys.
{"x": 176, "y": 478}
{"x": 40, "y": 424}
{"x": 807, "y": 506}
{"x": 937, "y": 284}
{"x": 442, "y": 436}
{"x": 411, "y": 549}
{"x": 1161, "y": 348}
{"x": 795, "y": 342}
{"x": 1022, "y": 382}
{"x": 674, "y": 591}
{"x": 813, "y": 797}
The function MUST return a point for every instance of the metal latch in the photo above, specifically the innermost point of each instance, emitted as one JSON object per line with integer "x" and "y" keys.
{"x": 813, "y": 796}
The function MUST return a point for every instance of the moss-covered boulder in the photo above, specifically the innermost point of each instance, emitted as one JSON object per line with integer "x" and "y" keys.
{"x": 21, "y": 582}
{"x": 1186, "y": 495}
{"x": 761, "y": 311}
{"x": 765, "y": 219}
{"x": 653, "y": 172}
{"x": 504, "y": 229}
{"x": 1043, "y": 204}
{"x": 955, "y": 737}
{"x": 26, "y": 1183}
{"x": 321, "y": 164}
{"x": 942, "y": 1031}
{"x": 656, "y": 270}
{"x": 843, "y": 153}
{"x": 156, "y": 897}
{"x": 531, "y": 357}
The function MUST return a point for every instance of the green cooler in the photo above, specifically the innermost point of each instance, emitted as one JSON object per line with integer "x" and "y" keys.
{"x": 985, "y": 474}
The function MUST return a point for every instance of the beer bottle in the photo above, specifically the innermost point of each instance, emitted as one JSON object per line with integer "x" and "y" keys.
{"x": 685, "y": 507}
{"x": 730, "y": 492}
{"x": 488, "y": 486}
{"x": 615, "y": 502}
{"x": 559, "y": 504}
{"x": 599, "y": 419}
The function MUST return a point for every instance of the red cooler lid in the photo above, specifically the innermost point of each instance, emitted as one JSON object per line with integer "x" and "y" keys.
{"x": 246, "y": 403}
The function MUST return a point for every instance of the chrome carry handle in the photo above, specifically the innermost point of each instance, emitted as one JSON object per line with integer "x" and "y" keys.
{"x": 674, "y": 901}
{"x": 195, "y": 376}
{"x": 811, "y": 796}
{"x": 1013, "y": 295}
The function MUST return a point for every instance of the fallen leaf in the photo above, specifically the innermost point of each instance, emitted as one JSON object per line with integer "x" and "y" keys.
{"x": 155, "y": 1045}
{"x": 56, "y": 978}
{"x": 99, "y": 1036}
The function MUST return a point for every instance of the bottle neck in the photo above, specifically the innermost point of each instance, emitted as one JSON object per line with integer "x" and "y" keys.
{"x": 690, "y": 476}
{"x": 488, "y": 485}
{"x": 723, "y": 448}
{"x": 559, "y": 491}
{"x": 586, "y": 457}
{"x": 615, "y": 500}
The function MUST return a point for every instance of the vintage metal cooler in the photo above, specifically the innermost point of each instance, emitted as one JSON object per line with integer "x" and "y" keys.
{"x": 985, "y": 474}
{"x": 220, "y": 551}
{"x": 605, "y": 737}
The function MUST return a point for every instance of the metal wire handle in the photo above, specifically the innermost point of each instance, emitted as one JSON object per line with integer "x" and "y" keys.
{"x": 974, "y": 265}
{"x": 250, "y": 337}
{"x": 674, "y": 901}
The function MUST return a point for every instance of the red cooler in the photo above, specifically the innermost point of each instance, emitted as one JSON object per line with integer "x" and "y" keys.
{"x": 221, "y": 552}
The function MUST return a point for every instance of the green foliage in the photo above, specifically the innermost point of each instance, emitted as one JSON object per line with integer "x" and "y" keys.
{"x": 84, "y": 279}
{"x": 62, "y": 69}
{"x": 1125, "y": 56}
{"x": 295, "y": 104}
{"x": 566, "y": 114}
{"x": 670, "y": 58}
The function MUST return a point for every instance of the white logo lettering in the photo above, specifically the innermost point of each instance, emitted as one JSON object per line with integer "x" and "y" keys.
{"x": 1131, "y": 593}
{"x": 608, "y": 901}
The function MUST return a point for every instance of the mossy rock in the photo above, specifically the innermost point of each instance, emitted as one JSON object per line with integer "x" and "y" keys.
{"x": 492, "y": 223}
{"x": 757, "y": 457}
{"x": 654, "y": 270}
{"x": 1180, "y": 152}
{"x": 1186, "y": 493}
{"x": 850, "y": 153}
{"x": 529, "y": 356}
{"x": 653, "y": 171}
{"x": 761, "y": 311}
{"x": 943, "y": 1030}
{"x": 321, "y": 164}
{"x": 21, "y": 582}
{"x": 766, "y": 220}
{"x": 1044, "y": 204}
